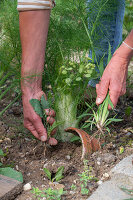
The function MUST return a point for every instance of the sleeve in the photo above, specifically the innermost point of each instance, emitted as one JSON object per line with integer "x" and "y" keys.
{"x": 24, "y": 5}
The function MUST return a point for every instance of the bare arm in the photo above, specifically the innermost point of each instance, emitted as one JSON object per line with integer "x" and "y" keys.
{"x": 114, "y": 76}
{"x": 33, "y": 34}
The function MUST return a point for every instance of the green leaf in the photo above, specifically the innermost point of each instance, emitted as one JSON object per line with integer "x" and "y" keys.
{"x": 110, "y": 103}
{"x": 109, "y": 54}
{"x": 1, "y": 164}
{"x": 101, "y": 67}
{"x": 58, "y": 175}
{"x": 128, "y": 111}
{"x": 35, "y": 103}
{"x": 115, "y": 120}
{"x": 9, "y": 172}
{"x": 78, "y": 78}
{"x": 1, "y": 152}
{"x": 54, "y": 125}
{"x": 44, "y": 103}
{"x": 75, "y": 138}
{"x": 48, "y": 173}
{"x": 121, "y": 150}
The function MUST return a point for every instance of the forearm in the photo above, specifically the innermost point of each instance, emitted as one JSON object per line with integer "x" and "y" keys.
{"x": 33, "y": 34}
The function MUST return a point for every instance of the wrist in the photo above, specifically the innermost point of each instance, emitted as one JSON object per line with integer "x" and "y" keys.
{"x": 31, "y": 84}
{"x": 124, "y": 52}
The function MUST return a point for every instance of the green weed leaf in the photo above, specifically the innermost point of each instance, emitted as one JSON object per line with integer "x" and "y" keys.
{"x": 9, "y": 172}
{"x": 54, "y": 125}
{"x": 101, "y": 67}
{"x": 109, "y": 54}
{"x": 1, "y": 152}
{"x": 44, "y": 103}
{"x": 58, "y": 175}
{"x": 48, "y": 173}
{"x": 75, "y": 138}
{"x": 115, "y": 120}
{"x": 121, "y": 150}
{"x": 35, "y": 103}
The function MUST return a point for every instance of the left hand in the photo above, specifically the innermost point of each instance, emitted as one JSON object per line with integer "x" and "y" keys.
{"x": 113, "y": 79}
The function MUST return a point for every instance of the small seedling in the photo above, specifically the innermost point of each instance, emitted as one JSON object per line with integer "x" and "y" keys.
{"x": 49, "y": 193}
{"x": 73, "y": 187}
{"x": 85, "y": 177}
{"x": 84, "y": 190}
{"x": 58, "y": 176}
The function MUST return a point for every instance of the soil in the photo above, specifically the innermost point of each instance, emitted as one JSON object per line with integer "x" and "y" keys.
{"x": 26, "y": 154}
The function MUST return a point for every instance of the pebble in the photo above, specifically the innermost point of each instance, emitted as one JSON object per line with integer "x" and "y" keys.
{"x": 106, "y": 175}
{"x": 99, "y": 182}
{"x": 68, "y": 157}
{"x": 98, "y": 163}
{"x": 45, "y": 165}
{"x": 72, "y": 192}
{"x": 17, "y": 167}
{"x": 27, "y": 187}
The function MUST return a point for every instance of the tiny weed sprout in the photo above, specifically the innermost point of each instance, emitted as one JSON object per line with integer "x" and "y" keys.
{"x": 58, "y": 176}
{"x": 73, "y": 187}
{"x": 86, "y": 176}
{"x": 48, "y": 194}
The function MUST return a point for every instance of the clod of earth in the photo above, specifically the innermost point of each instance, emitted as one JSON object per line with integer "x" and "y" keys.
{"x": 89, "y": 144}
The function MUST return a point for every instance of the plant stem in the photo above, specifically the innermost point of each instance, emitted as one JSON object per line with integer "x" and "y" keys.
{"x": 66, "y": 111}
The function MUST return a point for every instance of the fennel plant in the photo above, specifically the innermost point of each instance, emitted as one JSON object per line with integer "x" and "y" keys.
{"x": 70, "y": 85}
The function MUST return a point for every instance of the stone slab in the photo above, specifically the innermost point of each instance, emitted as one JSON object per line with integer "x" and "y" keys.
{"x": 125, "y": 166}
{"x": 9, "y": 188}
{"x": 110, "y": 190}
{"x": 121, "y": 176}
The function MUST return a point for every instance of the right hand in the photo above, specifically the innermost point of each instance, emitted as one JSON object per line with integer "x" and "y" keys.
{"x": 33, "y": 122}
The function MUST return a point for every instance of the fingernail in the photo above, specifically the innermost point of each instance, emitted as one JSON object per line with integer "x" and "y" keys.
{"x": 43, "y": 138}
{"x": 98, "y": 100}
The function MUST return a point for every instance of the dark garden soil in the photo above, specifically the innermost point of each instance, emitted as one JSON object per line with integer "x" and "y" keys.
{"x": 26, "y": 154}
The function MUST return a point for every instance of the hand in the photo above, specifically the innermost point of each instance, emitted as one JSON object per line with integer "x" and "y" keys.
{"x": 33, "y": 122}
{"x": 113, "y": 79}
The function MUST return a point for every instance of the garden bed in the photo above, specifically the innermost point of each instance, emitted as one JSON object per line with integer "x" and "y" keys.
{"x": 26, "y": 154}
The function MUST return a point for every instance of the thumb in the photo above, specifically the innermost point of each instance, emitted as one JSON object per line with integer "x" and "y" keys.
{"x": 101, "y": 89}
{"x": 42, "y": 133}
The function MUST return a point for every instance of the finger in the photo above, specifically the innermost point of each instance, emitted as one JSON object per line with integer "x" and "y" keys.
{"x": 52, "y": 141}
{"x": 123, "y": 90}
{"x": 50, "y": 120}
{"x": 102, "y": 89}
{"x": 114, "y": 96}
{"x": 31, "y": 128}
{"x": 40, "y": 129}
{"x": 50, "y": 112}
